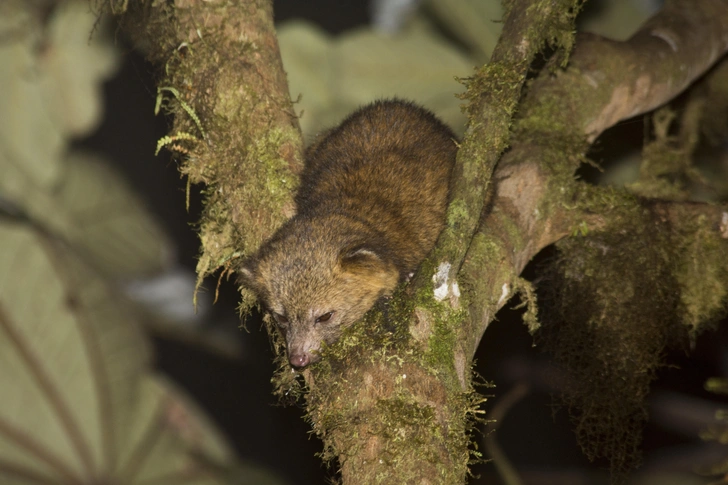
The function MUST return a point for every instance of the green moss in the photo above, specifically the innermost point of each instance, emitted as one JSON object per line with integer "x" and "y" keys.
{"x": 496, "y": 79}
{"x": 440, "y": 347}
{"x": 667, "y": 170}
{"x": 616, "y": 299}
{"x": 401, "y": 418}
{"x": 444, "y": 337}
{"x": 616, "y": 202}
{"x": 527, "y": 292}
{"x": 457, "y": 213}
{"x": 702, "y": 278}
{"x": 608, "y": 319}
{"x": 485, "y": 252}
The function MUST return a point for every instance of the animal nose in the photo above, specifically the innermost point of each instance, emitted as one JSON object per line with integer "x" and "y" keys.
{"x": 299, "y": 360}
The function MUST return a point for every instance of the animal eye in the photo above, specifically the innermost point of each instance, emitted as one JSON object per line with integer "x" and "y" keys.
{"x": 280, "y": 319}
{"x": 324, "y": 318}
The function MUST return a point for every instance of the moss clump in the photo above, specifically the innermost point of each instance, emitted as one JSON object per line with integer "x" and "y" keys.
{"x": 702, "y": 274}
{"x": 457, "y": 213}
{"x": 616, "y": 300}
{"x": 667, "y": 170}
{"x": 372, "y": 383}
{"x": 288, "y": 383}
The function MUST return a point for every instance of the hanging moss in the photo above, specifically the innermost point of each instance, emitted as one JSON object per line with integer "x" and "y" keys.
{"x": 616, "y": 300}
{"x": 702, "y": 278}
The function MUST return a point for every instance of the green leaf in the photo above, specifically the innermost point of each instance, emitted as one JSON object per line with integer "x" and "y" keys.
{"x": 335, "y": 75}
{"x": 79, "y": 403}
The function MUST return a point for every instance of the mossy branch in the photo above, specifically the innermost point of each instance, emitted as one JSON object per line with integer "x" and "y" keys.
{"x": 493, "y": 93}
{"x": 223, "y": 70}
{"x": 537, "y": 200}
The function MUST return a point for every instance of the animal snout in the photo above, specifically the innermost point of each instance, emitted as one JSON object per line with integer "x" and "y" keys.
{"x": 299, "y": 360}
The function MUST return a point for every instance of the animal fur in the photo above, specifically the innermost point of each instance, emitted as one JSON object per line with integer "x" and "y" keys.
{"x": 370, "y": 206}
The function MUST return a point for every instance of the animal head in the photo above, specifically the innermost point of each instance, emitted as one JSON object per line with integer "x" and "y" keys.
{"x": 315, "y": 287}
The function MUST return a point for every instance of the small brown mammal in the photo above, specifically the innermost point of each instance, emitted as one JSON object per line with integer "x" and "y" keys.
{"x": 370, "y": 206}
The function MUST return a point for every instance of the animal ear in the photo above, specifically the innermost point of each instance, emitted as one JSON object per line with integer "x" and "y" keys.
{"x": 361, "y": 259}
{"x": 249, "y": 278}
{"x": 246, "y": 273}
{"x": 369, "y": 269}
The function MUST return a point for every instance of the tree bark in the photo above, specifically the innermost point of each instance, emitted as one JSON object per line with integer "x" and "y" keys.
{"x": 606, "y": 82}
{"x": 393, "y": 401}
{"x": 234, "y": 126}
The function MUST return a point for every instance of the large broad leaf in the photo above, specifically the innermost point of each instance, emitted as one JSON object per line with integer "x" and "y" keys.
{"x": 79, "y": 404}
{"x": 335, "y": 75}
{"x": 92, "y": 208}
{"x": 47, "y": 95}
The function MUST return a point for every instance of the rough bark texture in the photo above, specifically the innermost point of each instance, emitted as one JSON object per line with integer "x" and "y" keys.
{"x": 393, "y": 401}
{"x": 223, "y": 81}
{"x": 399, "y": 408}
{"x": 493, "y": 93}
{"x": 605, "y": 82}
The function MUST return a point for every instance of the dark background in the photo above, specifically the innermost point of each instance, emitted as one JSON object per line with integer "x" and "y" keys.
{"x": 237, "y": 393}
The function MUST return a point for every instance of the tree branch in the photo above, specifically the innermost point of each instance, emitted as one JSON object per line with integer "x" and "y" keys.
{"x": 609, "y": 81}
{"x": 494, "y": 92}
{"x": 537, "y": 202}
{"x": 224, "y": 83}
